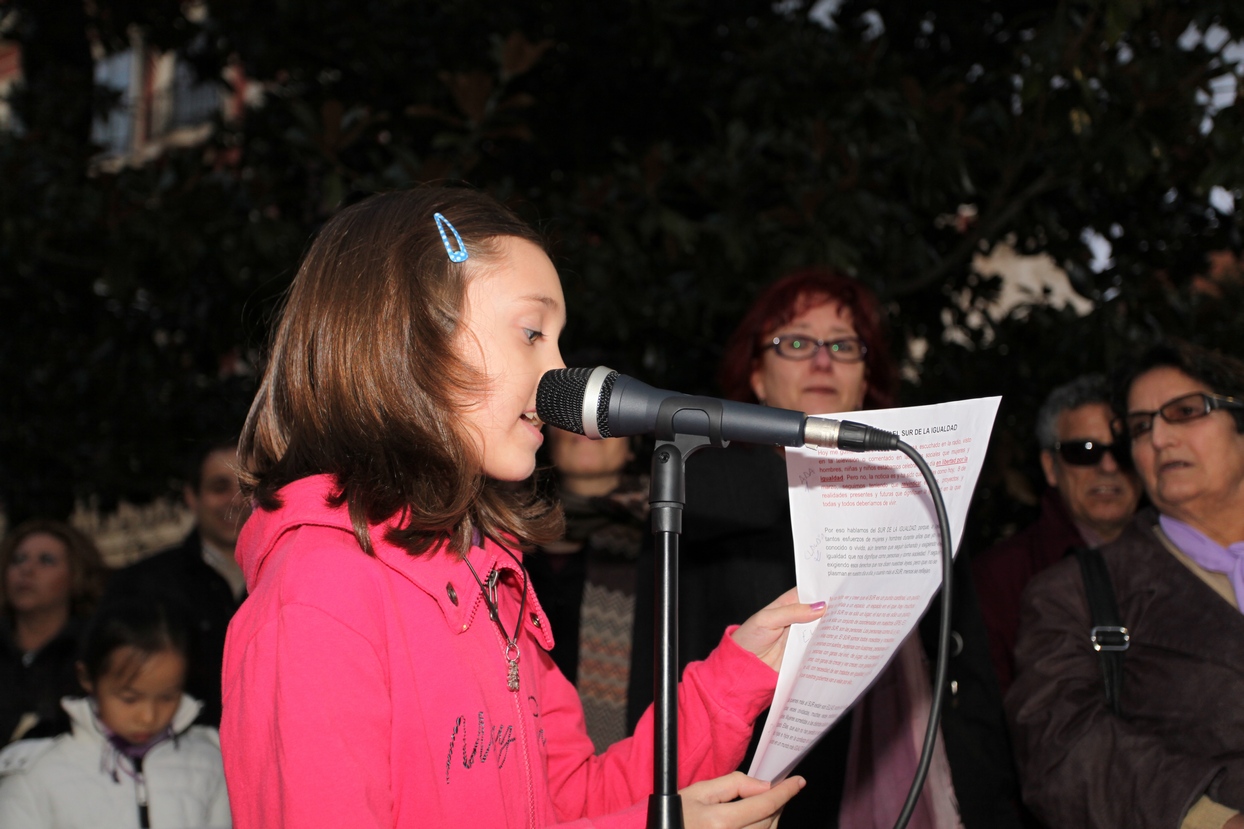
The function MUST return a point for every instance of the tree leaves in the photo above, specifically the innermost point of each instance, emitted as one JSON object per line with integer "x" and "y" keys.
{"x": 678, "y": 155}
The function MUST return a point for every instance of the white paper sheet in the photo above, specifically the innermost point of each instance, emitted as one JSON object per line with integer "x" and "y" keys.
{"x": 867, "y": 543}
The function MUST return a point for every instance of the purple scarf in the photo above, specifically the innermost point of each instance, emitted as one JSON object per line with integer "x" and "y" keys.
{"x": 133, "y": 751}
{"x": 1208, "y": 553}
{"x": 117, "y": 746}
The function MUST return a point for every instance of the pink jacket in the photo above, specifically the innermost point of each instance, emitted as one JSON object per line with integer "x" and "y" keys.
{"x": 372, "y": 692}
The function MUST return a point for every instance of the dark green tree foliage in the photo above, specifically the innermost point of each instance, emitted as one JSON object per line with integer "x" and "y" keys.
{"x": 124, "y": 295}
{"x": 678, "y": 154}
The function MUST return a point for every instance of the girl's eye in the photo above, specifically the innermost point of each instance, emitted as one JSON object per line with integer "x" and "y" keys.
{"x": 532, "y": 335}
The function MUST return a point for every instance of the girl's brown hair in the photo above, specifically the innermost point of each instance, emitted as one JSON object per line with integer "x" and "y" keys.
{"x": 364, "y": 380}
{"x": 86, "y": 566}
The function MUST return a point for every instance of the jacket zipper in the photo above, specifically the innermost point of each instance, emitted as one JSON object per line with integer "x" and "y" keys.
{"x": 519, "y": 717}
{"x": 140, "y": 787}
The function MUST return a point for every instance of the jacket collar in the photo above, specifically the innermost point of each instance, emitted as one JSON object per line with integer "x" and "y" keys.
{"x": 440, "y": 573}
{"x": 1164, "y": 604}
{"x": 81, "y": 713}
{"x": 450, "y": 582}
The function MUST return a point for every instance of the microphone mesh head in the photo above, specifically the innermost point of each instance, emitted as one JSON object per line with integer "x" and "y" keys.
{"x": 559, "y": 399}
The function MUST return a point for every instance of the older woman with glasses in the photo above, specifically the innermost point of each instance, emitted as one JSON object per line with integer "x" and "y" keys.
{"x": 815, "y": 341}
{"x": 1173, "y": 755}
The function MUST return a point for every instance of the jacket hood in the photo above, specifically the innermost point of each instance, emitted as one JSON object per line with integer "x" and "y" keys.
{"x": 264, "y": 528}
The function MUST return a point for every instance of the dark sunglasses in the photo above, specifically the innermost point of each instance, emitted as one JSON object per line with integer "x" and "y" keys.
{"x": 1090, "y": 452}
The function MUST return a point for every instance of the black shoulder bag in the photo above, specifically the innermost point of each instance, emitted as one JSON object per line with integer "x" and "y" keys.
{"x": 1108, "y": 635}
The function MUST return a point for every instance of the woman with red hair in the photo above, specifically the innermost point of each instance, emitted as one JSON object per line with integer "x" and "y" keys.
{"x": 815, "y": 341}
{"x": 756, "y": 364}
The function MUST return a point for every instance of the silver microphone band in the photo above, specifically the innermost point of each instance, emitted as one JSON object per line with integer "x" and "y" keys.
{"x": 591, "y": 399}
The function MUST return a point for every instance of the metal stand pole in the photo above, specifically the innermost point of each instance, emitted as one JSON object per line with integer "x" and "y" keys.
{"x": 667, "y": 498}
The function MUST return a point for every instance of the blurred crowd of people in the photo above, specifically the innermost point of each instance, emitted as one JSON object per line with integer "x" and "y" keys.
{"x": 110, "y": 688}
{"x": 1057, "y": 715}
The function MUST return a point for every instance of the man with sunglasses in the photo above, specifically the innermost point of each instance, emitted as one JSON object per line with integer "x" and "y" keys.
{"x": 1092, "y": 495}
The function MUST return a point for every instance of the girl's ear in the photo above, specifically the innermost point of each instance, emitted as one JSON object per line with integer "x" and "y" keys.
{"x": 84, "y": 678}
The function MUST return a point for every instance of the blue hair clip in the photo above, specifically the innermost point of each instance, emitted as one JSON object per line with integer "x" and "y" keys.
{"x": 459, "y": 255}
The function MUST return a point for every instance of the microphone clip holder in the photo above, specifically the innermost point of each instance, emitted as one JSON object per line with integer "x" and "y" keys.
{"x": 701, "y": 409}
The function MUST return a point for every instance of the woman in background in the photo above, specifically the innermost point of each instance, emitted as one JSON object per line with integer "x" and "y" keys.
{"x": 53, "y": 576}
{"x": 815, "y": 341}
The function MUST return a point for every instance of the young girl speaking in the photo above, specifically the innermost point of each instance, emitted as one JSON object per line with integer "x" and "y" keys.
{"x": 390, "y": 667}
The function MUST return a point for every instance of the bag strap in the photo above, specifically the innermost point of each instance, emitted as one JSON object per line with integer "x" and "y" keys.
{"x": 1108, "y": 636}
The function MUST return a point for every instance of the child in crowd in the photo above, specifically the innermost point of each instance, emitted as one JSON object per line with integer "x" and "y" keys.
{"x": 390, "y": 667}
{"x": 133, "y": 758}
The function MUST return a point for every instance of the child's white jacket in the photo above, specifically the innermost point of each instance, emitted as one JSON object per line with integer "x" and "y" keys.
{"x": 79, "y": 781}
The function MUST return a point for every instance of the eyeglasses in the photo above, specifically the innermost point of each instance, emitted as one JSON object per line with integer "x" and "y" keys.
{"x": 1090, "y": 452}
{"x": 1180, "y": 410}
{"x": 798, "y": 347}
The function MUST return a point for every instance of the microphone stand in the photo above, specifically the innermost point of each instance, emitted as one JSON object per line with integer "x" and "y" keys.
{"x": 667, "y": 499}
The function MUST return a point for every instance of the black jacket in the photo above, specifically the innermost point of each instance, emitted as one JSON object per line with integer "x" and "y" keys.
{"x": 35, "y": 686}
{"x": 181, "y": 577}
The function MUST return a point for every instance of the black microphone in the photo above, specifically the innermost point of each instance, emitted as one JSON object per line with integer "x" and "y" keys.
{"x": 600, "y": 403}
